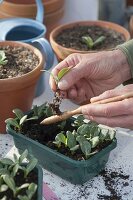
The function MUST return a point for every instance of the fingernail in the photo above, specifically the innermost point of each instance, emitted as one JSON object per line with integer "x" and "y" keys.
{"x": 63, "y": 84}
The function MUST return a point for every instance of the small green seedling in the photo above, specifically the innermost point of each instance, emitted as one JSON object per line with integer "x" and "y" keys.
{"x": 86, "y": 137}
{"x": 90, "y": 43}
{"x": 8, "y": 172}
{"x": 3, "y": 60}
{"x": 19, "y": 120}
{"x": 61, "y": 73}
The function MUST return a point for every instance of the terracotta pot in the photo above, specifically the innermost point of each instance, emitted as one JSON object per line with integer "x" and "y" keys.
{"x": 129, "y": 2}
{"x": 48, "y": 21}
{"x": 18, "y": 92}
{"x": 131, "y": 26}
{"x": 23, "y": 9}
{"x": 62, "y": 52}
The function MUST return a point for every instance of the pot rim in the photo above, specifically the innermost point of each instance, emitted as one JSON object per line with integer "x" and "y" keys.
{"x": 101, "y": 23}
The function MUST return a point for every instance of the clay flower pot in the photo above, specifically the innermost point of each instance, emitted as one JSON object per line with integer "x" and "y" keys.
{"x": 18, "y": 92}
{"x": 53, "y": 11}
{"x": 62, "y": 52}
{"x": 131, "y": 26}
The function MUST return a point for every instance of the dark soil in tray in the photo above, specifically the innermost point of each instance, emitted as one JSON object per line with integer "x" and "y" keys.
{"x": 45, "y": 134}
{"x": 72, "y": 37}
{"x": 20, "y": 61}
{"x": 19, "y": 180}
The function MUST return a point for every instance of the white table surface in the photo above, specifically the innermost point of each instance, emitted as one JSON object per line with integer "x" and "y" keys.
{"x": 121, "y": 159}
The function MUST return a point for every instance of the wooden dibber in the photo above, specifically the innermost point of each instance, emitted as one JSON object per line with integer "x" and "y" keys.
{"x": 68, "y": 114}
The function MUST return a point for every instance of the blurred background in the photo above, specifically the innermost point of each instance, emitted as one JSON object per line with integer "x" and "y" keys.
{"x": 63, "y": 11}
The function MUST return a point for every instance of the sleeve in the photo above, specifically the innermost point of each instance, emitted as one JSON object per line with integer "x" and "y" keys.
{"x": 127, "y": 49}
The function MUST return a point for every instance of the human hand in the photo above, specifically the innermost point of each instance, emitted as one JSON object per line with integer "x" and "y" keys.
{"x": 91, "y": 74}
{"x": 116, "y": 114}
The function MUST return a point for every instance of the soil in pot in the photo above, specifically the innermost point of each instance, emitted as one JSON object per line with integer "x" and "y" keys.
{"x": 20, "y": 61}
{"x": 72, "y": 37}
{"x": 20, "y": 180}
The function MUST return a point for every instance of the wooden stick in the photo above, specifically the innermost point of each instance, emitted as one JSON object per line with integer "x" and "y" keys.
{"x": 68, "y": 114}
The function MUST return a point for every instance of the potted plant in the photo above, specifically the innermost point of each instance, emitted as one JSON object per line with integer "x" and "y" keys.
{"x": 86, "y": 37}
{"x": 18, "y": 180}
{"x": 73, "y": 149}
{"x": 20, "y": 69}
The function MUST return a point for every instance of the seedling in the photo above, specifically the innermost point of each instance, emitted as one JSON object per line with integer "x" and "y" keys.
{"x": 20, "y": 119}
{"x": 3, "y": 60}
{"x": 90, "y": 43}
{"x": 9, "y": 170}
{"x": 86, "y": 137}
{"x": 56, "y": 102}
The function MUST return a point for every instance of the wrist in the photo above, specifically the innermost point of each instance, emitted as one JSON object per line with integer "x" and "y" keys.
{"x": 122, "y": 65}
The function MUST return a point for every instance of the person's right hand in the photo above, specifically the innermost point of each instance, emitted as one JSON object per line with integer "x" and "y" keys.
{"x": 91, "y": 74}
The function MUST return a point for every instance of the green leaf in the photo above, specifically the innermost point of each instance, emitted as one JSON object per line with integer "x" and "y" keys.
{"x": 71, "y": 140}
{"x": 20, "y": 197}
{"x": 4, "y": 171}
{"x": 31, "y": 165}
{"x": 6, "y": 161}
{"x": 99, "y": 41}
{"x": 12, "y": 122}
{"x": 15, "y": 169}
{"x": 25, "y": 185}
{"x": 112, "y": 134}
{"x": 88, "y": 41}
{"x": 62, "y": 125}
{"x": 62, "y": 72}
{"x": 10, "y": 182}
{"x": 76, "y": 147}
{"x": 103, "y": 134}
{"x": 94, "y": 141}
{"x": 32, "y": 118}
{"x": 4, "y": 198}
{"x": 23, "y": 156}
{"x": 15, "y": 158}
{"x": 61, "y": 138}
{"x": 18, "y": 113}
{"x": 49, "y": 112}
{"x": 84, "y": 145}
{"x": 2, "y": 58}
{"x": 23, "y": 119}
{"x": 84, "y": 130}
{"x": 80, "y": 118}
{"x": 3, "y": 188}
{"x": 31, "y": 190}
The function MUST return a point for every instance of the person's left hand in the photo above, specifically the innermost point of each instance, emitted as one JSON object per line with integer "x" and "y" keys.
{"x": 116, "y": 114}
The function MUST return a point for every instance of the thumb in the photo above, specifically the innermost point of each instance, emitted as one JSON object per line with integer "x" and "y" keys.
{"x": 72, "y": 77}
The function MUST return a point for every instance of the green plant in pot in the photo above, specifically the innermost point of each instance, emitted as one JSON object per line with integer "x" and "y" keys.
{"x": 73, "y": 149}
{"x": 86, "y": 37}
{"x": 20, "y": 69}
{"x": 19, "y": 180}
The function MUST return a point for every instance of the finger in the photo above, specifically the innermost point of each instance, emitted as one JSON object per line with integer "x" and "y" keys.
{"x": 72, "y": 92}
{"x": 73, "y": 76}
{"x": 56, "y": 70}
{"x": 110, "y": 109}
{"x": 113, "y": 93}
{"x": 125, "y": 121}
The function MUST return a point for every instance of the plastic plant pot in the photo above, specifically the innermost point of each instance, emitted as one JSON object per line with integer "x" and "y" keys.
{"x": 77, "y": 172}
{"x": 39, "y": 171}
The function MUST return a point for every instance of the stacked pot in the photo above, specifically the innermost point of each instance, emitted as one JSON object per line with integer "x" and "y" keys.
{"x": 54, "y": 10}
